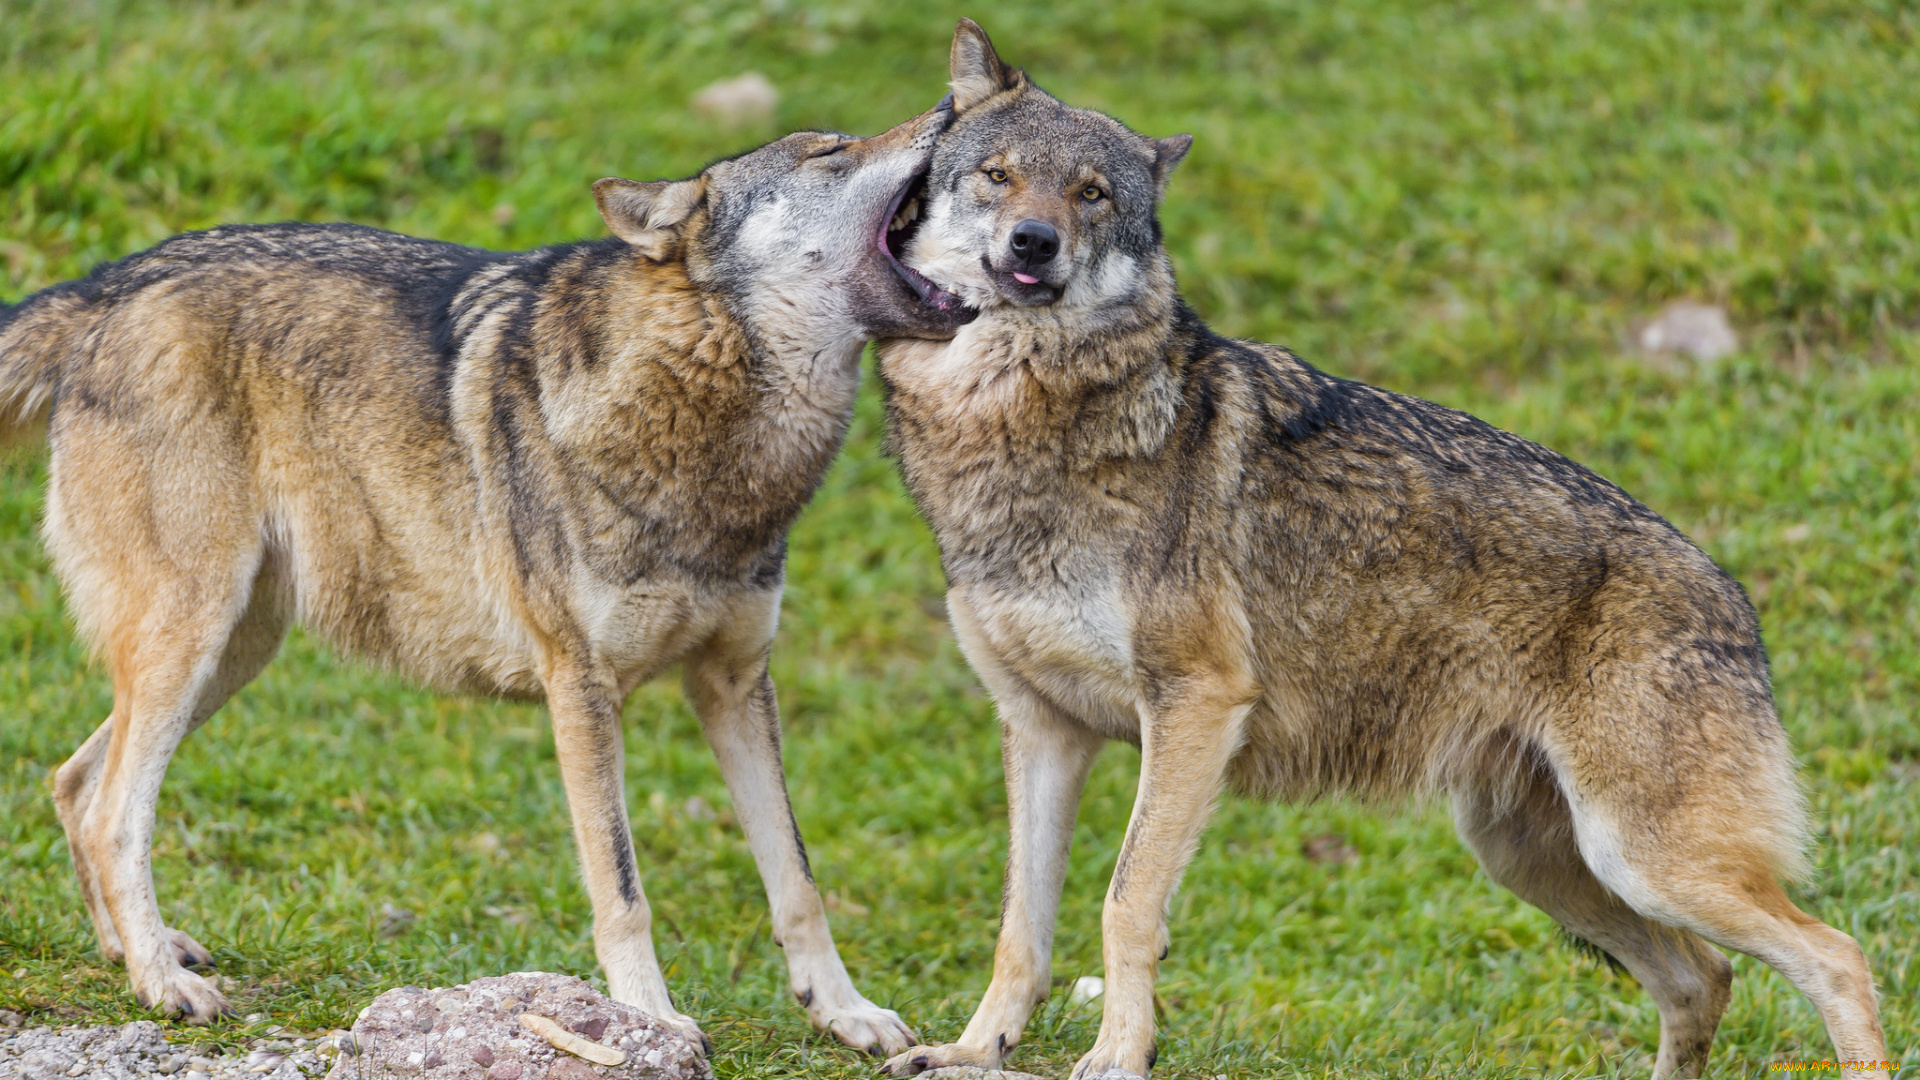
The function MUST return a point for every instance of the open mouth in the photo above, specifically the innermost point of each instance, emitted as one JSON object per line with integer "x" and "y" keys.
{"x": 897, "y": 230}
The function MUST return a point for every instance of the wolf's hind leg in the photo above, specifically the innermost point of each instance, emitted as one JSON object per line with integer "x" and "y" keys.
{"x": 734, "y": 698}
{"x": 1701, "y": 847}
{"x": 170, "y": 669}
{"x": 1526, "y": 843}
{"x": 249, "y": 647}
{"x": 74, "y": 784}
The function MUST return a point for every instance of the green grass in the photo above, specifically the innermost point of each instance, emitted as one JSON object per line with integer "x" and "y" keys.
{"x": 1475, "y": 204}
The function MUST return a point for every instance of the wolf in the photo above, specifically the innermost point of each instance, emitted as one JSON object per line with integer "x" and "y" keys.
{"x": 1294, "y": 586}
{"x": 553, "y": 474}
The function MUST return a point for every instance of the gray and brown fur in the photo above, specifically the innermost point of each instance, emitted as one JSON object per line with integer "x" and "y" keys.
{"x": 1294, "y": 586}
{"x": 554, "y": 473}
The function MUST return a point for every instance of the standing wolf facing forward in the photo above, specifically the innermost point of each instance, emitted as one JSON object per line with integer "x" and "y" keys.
{"x": 556, "y": 472}
{"x": 1299, "y": 586}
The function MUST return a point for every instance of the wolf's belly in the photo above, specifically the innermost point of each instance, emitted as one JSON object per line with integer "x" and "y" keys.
{"x": 439, "y": 604}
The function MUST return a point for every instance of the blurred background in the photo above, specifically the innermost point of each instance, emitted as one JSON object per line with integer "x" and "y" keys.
{"x": 1677, "y": 241}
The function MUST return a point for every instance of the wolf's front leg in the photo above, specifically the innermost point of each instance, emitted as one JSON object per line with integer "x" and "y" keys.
{"x": 1188, "y": 733}
{"x": 731, "y": 692}
{"x": 1047, "y": 757}
{"x": 587, "y": 739}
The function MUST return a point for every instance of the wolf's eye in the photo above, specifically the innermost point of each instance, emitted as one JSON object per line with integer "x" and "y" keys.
{"x": 1092, "y": 193}
{"x": 826, "y": 151}
{"x": 998, "y": 176}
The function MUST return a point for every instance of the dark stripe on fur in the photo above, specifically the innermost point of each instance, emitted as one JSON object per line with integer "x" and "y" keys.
{"x": 623, "y": 861}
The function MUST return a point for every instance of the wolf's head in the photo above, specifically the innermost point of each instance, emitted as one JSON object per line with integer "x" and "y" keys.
{"x": 795, "y": 232}
{"x": 1030, "y": 203}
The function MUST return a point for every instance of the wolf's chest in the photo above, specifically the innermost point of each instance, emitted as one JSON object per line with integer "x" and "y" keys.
{"x": 1073, "y": 643}
{"x": 640, "y": 631}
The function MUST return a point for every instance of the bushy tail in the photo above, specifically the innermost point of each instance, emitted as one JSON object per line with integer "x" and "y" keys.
{"x": 36, "y": 336}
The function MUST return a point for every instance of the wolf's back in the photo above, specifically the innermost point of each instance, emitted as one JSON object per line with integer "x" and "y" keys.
{"x": 42, "y": 337}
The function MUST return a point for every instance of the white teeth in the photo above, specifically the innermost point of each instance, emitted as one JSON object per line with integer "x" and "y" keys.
{"x": 907, "y": 213}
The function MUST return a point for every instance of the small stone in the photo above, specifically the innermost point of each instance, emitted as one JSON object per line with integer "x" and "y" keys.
{"x": 1699, "y": 330}
{"x": 196, "y": 1074}
{"x": 1086, "y": 988}
{"x": 568, "y": 1068}
{"x": 742, "y": 101}
{"x": 394, "y": 920}
{"x": 480, "y": 1056}
{"x": 1330, "y": 849}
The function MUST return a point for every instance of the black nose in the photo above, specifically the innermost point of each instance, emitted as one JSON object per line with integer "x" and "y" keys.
{"x": 1035, "y": 243}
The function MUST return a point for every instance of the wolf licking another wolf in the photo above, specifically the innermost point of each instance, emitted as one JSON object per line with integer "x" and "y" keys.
{"x": 552, "y": 473}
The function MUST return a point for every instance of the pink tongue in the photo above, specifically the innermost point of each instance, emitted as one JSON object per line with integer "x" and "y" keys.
{"x": 1025, "y": 279}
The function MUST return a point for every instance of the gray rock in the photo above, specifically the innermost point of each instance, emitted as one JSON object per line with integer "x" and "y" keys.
{"x": 1699, "y": 330}
{"x": 473, "y": 1032}
{"x": 748, "y": 100}
{"x": 133, "y": 1051}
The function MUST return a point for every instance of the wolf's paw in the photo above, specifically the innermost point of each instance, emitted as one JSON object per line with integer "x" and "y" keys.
{"x": 862, "y": 1025}
{"x": 183, "y": 994}
{"x": 689, "y": 1030}
{"x": 919, "y": 1059}
{"x": 189, "y": 952}
{"x": 1105, "y": 1062}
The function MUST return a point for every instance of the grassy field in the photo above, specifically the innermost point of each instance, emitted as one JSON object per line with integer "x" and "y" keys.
{"x": 1474, "y": 204}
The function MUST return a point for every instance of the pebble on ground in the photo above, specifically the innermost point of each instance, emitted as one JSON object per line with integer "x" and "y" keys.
{"x": 140, "y": 1051}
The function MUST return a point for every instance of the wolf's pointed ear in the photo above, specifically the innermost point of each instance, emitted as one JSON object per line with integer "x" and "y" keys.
{"x": 649, "y": 216}
{"x": 1167, "y": 153}
{"x": 976, "y": 69}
